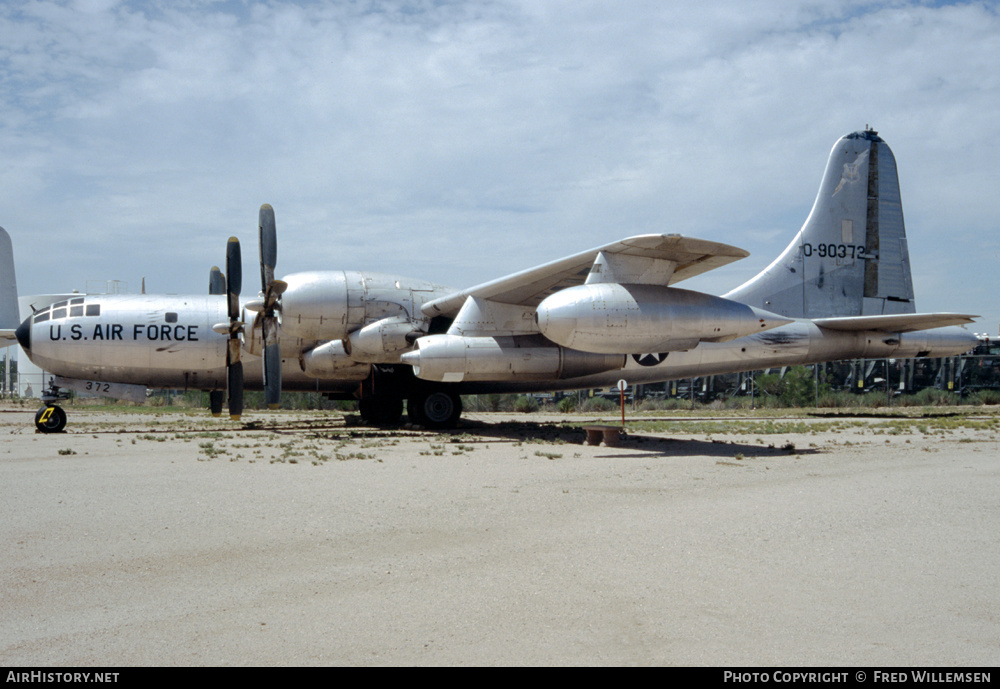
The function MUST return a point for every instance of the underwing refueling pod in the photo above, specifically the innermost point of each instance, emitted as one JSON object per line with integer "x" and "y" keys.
{"x": 842, "y": 289}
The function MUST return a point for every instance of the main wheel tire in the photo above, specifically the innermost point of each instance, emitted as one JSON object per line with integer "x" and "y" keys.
{"x": 436, "y": 409}
{"x": 381, "y": 411}
{"x": 50, "y": 419}
{"x": 216, "y": 398}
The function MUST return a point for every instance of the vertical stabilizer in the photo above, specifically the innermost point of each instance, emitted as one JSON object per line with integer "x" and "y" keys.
{"x": 850, "y": 257}
{"x": 9, "y": 314}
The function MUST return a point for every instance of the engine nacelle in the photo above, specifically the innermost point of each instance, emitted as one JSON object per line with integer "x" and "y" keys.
{"x": 453, "y": 358}
{"x": 327, "y": 305}
{"x": 381, "y": 341}
{"x": 329, "y": 360}
{"x": 315, "y": 306}
{"x": 611, "y": 318}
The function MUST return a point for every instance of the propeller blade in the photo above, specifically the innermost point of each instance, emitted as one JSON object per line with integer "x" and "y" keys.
{"x": 268, "y": 236}
{"x": 215, "y": 400}
{"x": 234, "y": 277}
{"x": 235, "y": 372}
{"x": 272, "y": 290}
{"x": 272, "y": 376}
{"x": 216, "y": 281}
{"x": 231, "y": 285}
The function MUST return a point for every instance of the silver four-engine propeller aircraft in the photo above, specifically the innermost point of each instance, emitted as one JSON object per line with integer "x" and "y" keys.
{"x": 842, "y": 289}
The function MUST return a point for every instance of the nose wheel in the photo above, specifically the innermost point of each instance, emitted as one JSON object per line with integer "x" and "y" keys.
{"x": 50, "y": 419}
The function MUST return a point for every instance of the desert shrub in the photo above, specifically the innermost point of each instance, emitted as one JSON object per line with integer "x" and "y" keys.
{"x": 496, "y": 402}
{"x": 838, "y": 399}
{"x": 492, "y": 402}
{"x": 665, "y": 404}
{"x": 932, "y": 397}
{"x": 566, "y": 404}
{"x": 908, "y": 401}
{"x": 985, "y": 397}
{"x": 797, "y": 388}
{"x": 598, "y": 404}
{"x": 526, "y": 404}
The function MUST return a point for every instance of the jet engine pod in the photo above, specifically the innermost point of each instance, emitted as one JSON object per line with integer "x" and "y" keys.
{"x": 329, "y": 360}
{"x": 612, "y": 318}
{"x": 936, "y": 342}
{"x": 453, "y": 358}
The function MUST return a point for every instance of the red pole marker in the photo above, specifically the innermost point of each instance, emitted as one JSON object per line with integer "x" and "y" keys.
{"x": 621, "y": 392}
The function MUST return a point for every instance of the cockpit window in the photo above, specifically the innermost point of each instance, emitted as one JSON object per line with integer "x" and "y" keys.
{"x": 72, "y": 307}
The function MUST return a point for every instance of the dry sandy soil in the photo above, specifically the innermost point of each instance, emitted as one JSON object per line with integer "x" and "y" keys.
{"x": 171, "y": 539}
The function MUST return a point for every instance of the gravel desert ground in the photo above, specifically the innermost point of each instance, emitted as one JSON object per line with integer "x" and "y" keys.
{"x": 160, "y": 538}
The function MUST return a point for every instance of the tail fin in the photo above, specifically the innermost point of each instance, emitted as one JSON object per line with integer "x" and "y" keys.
{"x": 850, "y": 257}
{"x": 9, "y": 314}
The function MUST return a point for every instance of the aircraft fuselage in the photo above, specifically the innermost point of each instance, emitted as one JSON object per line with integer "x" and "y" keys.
{"x": 148, "y": 340}
{"x": 169, "y": 342}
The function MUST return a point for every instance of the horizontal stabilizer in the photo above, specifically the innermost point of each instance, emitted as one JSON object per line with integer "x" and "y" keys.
{"x": 688, "y": 257}
{"x": 7, "y": 337}
{"x": 895, "y": 323}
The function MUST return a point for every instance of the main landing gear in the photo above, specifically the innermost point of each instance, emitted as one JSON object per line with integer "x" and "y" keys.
{"x": 381, "y": 410}
{"x": 427, "y": 405}
{"x": 427, "y": 408}
{"x": 51, "y": 418}
{"x": 434, "y": 408}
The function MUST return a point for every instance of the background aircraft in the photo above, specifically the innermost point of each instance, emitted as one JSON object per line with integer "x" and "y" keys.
{"x": 841, "y": 289}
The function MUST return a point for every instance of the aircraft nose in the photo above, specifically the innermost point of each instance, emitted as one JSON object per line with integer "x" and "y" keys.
{"x": 23, "y": 334}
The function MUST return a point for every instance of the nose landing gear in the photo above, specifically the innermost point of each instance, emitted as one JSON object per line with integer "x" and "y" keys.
{"x": 51, "y": 418}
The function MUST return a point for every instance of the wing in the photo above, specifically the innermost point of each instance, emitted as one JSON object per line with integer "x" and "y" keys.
{"x": 649, "y": 259}
{"x": 895, "y": 323}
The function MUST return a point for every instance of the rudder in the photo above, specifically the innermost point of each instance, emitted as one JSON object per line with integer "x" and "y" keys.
{"x": 850, "y": 258}
{"x": 9, "y": 313}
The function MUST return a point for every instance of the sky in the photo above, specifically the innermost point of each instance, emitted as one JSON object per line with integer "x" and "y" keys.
{"x": 461, "y": 141}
